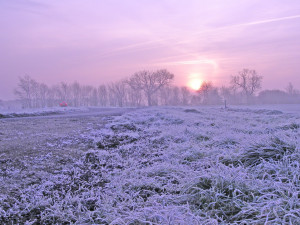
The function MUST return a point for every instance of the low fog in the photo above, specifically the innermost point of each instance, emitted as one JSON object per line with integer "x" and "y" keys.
{"x": 149, "y": 88}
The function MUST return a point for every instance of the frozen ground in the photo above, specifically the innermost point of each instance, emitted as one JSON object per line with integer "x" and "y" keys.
{"x": 61, "y": 111}
{"x": 286, "y": 108}
{"x": 175, "y": 165}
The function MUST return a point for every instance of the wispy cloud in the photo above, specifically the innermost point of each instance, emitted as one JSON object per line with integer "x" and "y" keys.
{"x": 25, "y": 5}
{"x": 174, "y": 42}
{"x": 190, "y": 62}
{"x": 268, "y": 21}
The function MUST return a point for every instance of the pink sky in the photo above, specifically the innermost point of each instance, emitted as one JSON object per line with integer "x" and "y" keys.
{"x": 97, "y": 42}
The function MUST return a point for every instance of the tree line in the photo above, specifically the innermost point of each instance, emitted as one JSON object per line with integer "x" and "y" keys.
{"x": 150, "y": 88}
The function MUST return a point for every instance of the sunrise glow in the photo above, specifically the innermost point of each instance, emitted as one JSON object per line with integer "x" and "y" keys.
{"x": 194, "y": 81}
{"x": 195, "y": 84}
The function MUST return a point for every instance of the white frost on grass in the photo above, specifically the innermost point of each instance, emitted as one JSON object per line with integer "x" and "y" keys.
{"x": 169, "y": 166}
{"x": 40, "y": 112}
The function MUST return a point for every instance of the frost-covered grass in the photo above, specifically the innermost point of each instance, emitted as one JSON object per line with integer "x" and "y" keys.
{"x": 75, "y": 111}
{"x": 39, "y": 112}
{"x": 165, "y": 166}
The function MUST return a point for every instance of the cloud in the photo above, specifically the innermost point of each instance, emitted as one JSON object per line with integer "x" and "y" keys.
{"x": 34, "y": 7}
{"x": 258, "y": 22}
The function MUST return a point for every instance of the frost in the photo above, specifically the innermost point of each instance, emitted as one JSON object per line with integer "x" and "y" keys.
{"x": 201, "y": 165}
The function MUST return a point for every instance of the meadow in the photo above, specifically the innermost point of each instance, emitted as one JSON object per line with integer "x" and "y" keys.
{"x": 156, "y": 165}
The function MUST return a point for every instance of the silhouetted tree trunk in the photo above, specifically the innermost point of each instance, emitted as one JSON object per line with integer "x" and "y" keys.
{"x": 185, "y": 95}
{"x": 25, "y": 91}
{"x": 102, "y": 95}
{"x": 118, "y": 91}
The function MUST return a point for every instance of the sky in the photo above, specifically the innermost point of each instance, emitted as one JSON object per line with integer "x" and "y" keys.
{"x": 101, "y": 41}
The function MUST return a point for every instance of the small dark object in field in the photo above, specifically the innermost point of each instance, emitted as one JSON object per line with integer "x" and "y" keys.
{"x": 191, "y": 111}
{"x": 274, "y": 112}
{"x": 268, "y": 112}
{"x": 63, "y": 104}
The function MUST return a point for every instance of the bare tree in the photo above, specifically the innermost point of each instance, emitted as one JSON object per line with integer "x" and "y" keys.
{"x": 76, "y": 93}
{"x": 43, "y": 93}
{"x": 229, "y": 95}
{"x": 31, "y": 93}
{"x": 102, "y": 95}
{"x": 204, "y": 90}
{"x": 50, "y": 97}
{"x": 150, "y": 82}
{"x": 94, "y": 99}
{"x": 86, "y": 92}
{"x": 142, "y": 87}
{"x": 35, "y": 94}
{"x": 273, "y": 97}
{"x": 118, "y": 92}
{"x": 209, "y": 94}
{"x": 24, "y": 91}
{"x": 64, "y": 91}
{"x": 225, "y": 92}
{"x": 248, "y": 81}
{"x": 175, "y": 100}
{"x": 170, "y": 95}
{"x": 165, "y": 95}
{"x": 135, "y": 97}
{"x": 291, "y": 90}
{"x": 185, "y": 95}
{"x": 56, "y": 95}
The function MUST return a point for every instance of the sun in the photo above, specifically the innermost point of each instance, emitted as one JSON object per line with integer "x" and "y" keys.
{"x": 194, "y": 82}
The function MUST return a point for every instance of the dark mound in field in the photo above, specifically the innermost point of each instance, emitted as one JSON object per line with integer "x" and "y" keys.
{"x": 191, "y": 111}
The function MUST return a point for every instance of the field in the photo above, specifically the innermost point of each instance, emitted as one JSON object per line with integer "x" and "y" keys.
{"x": 165, "y": 165}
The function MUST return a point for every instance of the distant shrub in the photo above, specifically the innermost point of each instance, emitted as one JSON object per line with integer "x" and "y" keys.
{"x": 191, "y": 111}
{"x": 274, "y": 112}
{"x": 268, "y": 112}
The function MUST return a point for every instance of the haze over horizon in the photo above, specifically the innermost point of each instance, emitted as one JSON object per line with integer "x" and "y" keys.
{"x": 97, "y": 42}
